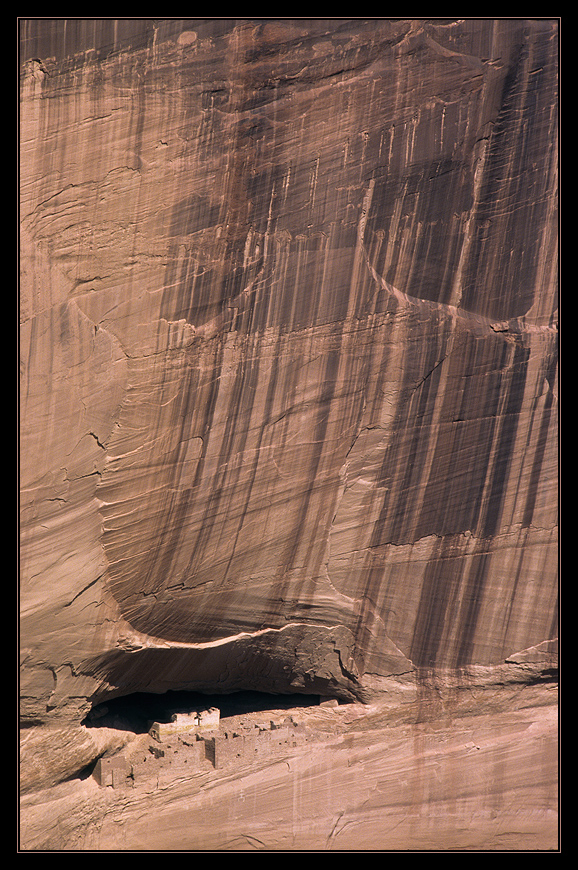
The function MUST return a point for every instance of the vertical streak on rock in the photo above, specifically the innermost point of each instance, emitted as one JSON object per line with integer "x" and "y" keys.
{"x": 288, "y": 358}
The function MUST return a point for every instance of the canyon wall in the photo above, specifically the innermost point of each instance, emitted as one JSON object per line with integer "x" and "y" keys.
{"x": 288, "y": 356}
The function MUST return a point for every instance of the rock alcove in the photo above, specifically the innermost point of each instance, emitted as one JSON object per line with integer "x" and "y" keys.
{"x": 288, "y": 353}
{"x": 135, "y": 712}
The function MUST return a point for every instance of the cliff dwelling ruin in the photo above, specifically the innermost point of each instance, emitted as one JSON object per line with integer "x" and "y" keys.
{"x": 288, "y": 424}
{"x": 188, "y": 733}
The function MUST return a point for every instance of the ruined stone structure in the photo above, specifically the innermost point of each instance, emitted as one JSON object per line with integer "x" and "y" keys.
{"x": 253, "y": 744}
{"x": 197, "y": 736}
{"x": 183, "y": 751}
{"x": 111, "y": 771}
{"x": 201, "y": 720}
{"x": 289, "y": 388}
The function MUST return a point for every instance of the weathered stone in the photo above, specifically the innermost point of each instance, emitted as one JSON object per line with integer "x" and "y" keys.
{"x": 111, "y": 771}
{"x": 288, "y": 355}
{"x": 201, "y": 720}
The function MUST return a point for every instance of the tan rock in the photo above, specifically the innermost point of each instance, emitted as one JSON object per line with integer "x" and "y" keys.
{"x": 288, "y": 358}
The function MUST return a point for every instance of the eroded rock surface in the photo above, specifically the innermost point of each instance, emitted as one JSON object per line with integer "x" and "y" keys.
{"x": 474, "y": 771}
{"x": 288, "y": 355}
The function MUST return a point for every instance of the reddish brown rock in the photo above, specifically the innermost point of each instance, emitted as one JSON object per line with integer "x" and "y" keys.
{"x": 288, "y": 354}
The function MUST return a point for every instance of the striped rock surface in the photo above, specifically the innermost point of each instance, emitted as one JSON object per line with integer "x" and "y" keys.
{"x": 288, "y": 356}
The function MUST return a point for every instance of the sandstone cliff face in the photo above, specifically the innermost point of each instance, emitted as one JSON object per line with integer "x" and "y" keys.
{"x": 288, "y": 355}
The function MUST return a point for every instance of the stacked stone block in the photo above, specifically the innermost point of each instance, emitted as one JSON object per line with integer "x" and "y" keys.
{"x": 112, "y": 771}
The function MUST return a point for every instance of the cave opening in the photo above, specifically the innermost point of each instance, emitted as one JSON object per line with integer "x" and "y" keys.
{"x": 136, "y": 712}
